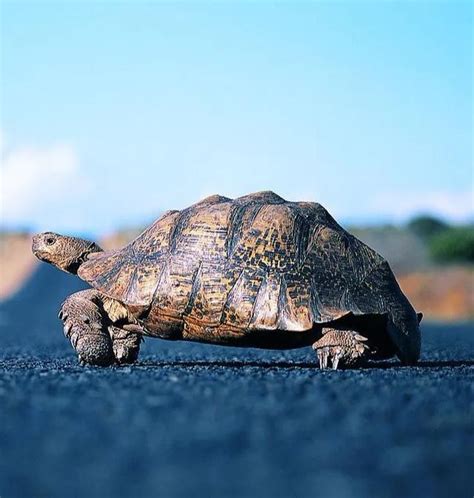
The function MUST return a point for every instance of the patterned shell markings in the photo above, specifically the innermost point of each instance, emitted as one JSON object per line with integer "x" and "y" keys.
{"x": 131, "y": 274}
{"x": 271, "y": 292}
{"x": 257, "y": 262}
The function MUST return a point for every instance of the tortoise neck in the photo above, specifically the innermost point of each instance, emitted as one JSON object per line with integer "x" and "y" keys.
{"x": 90, "y": 248}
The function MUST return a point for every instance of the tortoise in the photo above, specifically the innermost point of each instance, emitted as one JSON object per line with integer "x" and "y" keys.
{"x": 256, "y": 271}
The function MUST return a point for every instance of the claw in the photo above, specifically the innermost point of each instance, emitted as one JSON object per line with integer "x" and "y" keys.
{"x": 360, "y": 349}
{"x": 337, "y": 354}
{"x": 74, "y": 338}
{"x": 323, "y": 354}
{"x": 359, "y": 337}
{"x": 67, "y": 329}
{"x": 335, "y": 360}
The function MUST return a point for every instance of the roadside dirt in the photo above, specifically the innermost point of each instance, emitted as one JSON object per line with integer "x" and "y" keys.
{"x": 16, "y": 262}
{"x": 443, "y": 294}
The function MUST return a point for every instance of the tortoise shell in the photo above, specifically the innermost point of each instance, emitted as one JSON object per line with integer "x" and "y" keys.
{"x": 256, "y": 263}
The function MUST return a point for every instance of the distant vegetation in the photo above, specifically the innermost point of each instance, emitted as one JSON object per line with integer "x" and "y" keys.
{"x": 454, "y": 244}
{"x": 445, "y": 243}
{"x": 426, "y": 227}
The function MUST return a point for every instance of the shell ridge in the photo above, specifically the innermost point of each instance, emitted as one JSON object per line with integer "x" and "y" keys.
{"x": 235, "y": 221}
{"x": 230, "y": 294}
{"x": 266, "y": 311}
{"x": 159, "y": 281}
{"x": 109, "y": 275}
{"x": 315, "y": 303}
{"x": 301, "y": 238}
{"x": 263, "y": 197}
{"x": 282, "y": 302}
{"x": 194, "y": 290}
{"x": 178, "y": 228}
{"x": 171, "y": 234}
{"x": 254, "y": 304}
{"x": 236, "y": 230}
{"x": 313, "y": 235}
{"x": 131, "y": 280}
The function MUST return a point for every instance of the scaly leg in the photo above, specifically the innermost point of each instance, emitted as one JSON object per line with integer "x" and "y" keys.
{"x": 94, "y": 337}
{"x": 342, "y": 347}
{"x": 125, "y": 343}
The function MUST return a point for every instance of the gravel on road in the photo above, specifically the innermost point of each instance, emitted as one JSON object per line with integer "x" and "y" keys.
{"x": 191, "y": 420}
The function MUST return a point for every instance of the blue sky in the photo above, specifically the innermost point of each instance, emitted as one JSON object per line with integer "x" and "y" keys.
{"x": 114, "y": 112}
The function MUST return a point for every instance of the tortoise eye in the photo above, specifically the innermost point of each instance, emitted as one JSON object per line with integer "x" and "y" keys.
{"x": 50, "y": 241}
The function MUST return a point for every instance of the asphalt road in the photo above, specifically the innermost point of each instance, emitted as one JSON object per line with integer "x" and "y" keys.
{"x": 193, "y": 420}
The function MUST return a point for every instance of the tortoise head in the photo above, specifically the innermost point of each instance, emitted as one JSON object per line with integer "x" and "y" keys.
{"x": 66, "y": 253}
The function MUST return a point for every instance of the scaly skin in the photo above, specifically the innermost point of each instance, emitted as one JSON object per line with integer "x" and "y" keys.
{"x": 96, "y": 340}
{"x": 342, "y": 347}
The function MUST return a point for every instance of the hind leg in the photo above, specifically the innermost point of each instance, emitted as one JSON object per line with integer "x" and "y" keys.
{"x": 96, "y": 340}
{"x": 341, "y": 348}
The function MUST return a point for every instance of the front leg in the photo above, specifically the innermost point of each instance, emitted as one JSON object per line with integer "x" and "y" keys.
{"x": 95, "y": 338}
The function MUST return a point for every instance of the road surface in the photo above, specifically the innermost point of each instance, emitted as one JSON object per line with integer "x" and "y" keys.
{"x": 194, "y": 420}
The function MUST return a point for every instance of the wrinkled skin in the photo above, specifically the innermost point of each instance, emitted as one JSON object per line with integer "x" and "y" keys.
{"x": 96, "y": 336}
{"x": 65, "y": 253}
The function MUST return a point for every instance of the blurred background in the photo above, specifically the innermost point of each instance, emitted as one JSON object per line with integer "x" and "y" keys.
{"x": 112, "y": 113}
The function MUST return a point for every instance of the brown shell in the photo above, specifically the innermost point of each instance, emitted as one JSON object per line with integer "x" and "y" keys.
{"x": 254, "y": 263}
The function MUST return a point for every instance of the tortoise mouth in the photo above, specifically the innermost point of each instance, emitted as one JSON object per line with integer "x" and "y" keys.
{"x": 37, "y": 248}
{"x": 42, "y": 255}
{"x": 42, "y": 245}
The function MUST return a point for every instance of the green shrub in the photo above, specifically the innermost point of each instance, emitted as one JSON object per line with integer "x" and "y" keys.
{"x": 453, "y": 245}
{"x": 427, "y": 226}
